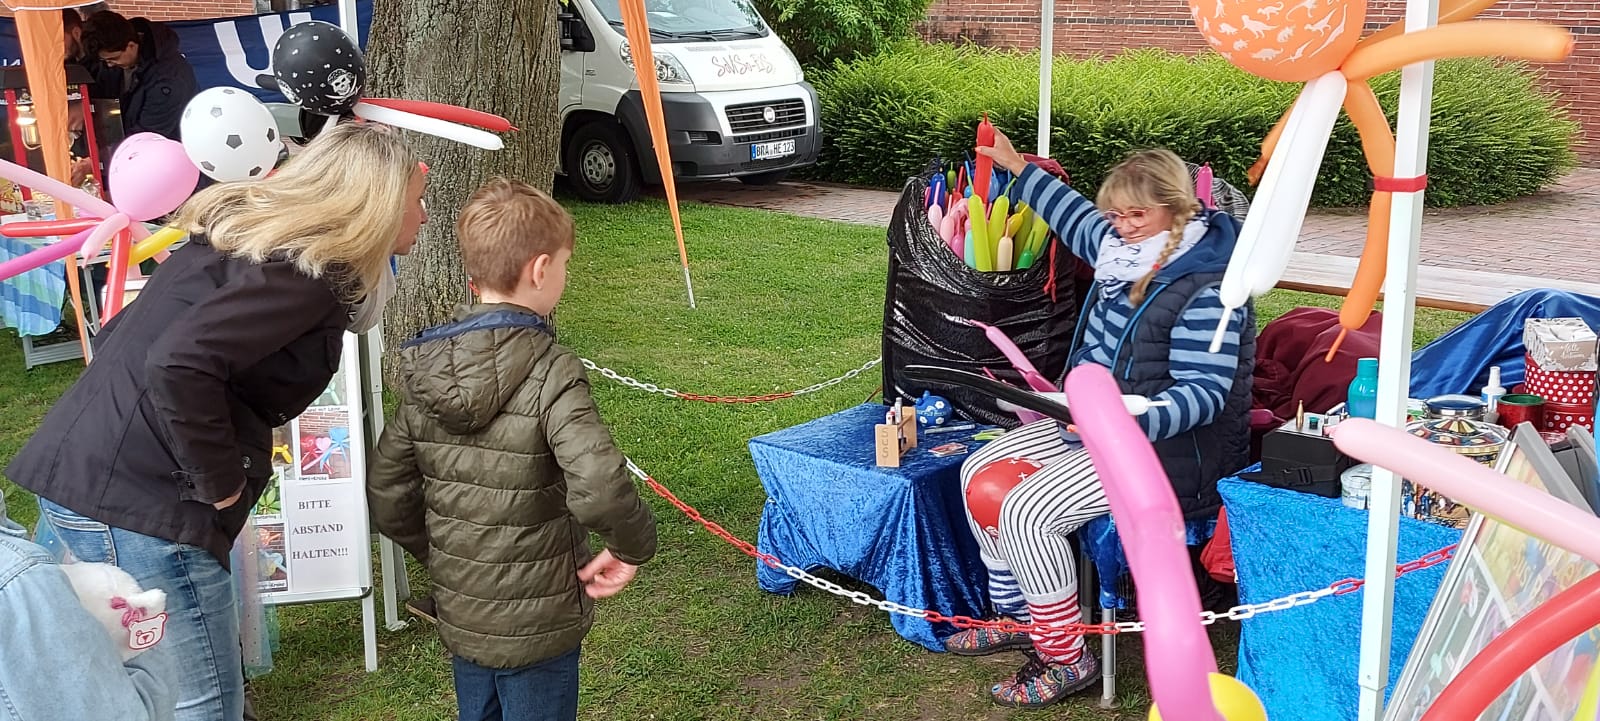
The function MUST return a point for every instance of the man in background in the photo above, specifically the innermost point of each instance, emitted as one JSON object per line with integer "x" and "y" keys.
{"x": 156, "y": 80}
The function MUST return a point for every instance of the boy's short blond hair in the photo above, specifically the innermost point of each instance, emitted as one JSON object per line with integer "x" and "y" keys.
{"x": 504, "y": 226}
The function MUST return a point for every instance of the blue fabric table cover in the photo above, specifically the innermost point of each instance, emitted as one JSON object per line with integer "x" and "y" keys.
{"x": 31, "y": 302}
{"x": 901, "y": 530}
{"x": 1303, "y": 662}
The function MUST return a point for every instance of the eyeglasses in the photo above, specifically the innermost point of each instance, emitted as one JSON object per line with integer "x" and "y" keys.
{"x": 1137, "y": 216}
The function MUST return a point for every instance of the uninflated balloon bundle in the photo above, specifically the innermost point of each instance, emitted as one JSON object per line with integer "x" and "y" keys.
{"x": 974, "y": 209}
{"x": 939, "y": 308}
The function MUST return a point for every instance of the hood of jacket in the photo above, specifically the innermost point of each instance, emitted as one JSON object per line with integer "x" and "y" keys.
{"x": 1211, "y": 254}
{"x": 463, "y": 372}
{"x": 156, "y": 41}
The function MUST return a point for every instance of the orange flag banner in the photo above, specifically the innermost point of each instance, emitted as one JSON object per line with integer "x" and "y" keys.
{"x": 637, "y": 25}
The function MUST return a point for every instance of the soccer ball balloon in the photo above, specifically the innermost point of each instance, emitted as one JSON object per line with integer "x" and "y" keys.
{"x": 230, "y": 135}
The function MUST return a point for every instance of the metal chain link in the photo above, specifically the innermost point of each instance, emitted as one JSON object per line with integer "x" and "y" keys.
{"x": 1237, "y": 613}
{"x": 674, "y": 393}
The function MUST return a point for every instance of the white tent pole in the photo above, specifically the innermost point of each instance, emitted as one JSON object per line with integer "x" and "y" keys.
{"x": 1047, "y": 51}
{"x": 348, "y": 20}
{"x": 1394, "y": 368}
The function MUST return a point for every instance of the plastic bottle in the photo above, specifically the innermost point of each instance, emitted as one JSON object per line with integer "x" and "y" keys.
{"x": 1362, "y": 399}
{"x": 1491, "y": 395}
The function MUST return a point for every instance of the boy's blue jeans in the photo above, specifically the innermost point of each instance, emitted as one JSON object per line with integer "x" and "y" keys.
{"x": 545, "y": 691}
{"x": 202, "y": 622}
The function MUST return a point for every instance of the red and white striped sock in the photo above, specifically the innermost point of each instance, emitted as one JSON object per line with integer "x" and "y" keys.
{"x": 1058, "y": 646}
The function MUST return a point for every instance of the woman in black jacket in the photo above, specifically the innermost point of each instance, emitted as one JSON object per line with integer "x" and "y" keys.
{"x": 153, "y": 459}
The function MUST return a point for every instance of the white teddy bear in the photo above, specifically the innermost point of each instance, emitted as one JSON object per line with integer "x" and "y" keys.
{"x": 136, "y": 619}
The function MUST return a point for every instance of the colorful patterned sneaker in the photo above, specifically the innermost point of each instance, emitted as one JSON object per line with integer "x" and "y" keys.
{"x": 984, "y": 641}
{"x": 1041, "y": 683}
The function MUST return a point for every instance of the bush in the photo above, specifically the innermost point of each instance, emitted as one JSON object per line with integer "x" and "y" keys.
{"x": 821, "y": 32}
{"x": 1495, "y": 134}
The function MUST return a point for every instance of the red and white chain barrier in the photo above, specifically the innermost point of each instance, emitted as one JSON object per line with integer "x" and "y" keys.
{"x": 680, "y": 395}
{"x": 1237, "y": 613}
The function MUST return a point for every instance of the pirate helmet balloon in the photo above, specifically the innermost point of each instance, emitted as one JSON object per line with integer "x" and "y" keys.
{"x": 319, "y": 68}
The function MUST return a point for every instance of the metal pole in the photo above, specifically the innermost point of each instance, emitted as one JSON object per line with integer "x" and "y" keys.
{"x": 1047, "y": 48}
{"x": 1399, "y": 310}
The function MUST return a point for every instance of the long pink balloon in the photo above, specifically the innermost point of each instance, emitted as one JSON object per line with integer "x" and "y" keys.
{"x": 64, "y": 193}
{"x": 1009, "y": 349}
{"x": 1180, "y": 660}
{"x": 1473, "y": 484}
{"x": 43, "y": 256}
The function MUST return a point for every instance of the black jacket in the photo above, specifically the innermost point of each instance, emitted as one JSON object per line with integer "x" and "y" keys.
{"x": 177, "y": 409}
{"x": 162, "y": 85}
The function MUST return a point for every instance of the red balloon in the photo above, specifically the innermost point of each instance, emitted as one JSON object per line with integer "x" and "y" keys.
{"x": 1492, "y": 671}
{"x": 989, "y": 486}
{"x": 43, "y": 228}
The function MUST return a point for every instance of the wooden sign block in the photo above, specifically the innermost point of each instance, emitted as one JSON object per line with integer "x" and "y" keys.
{"x": 894, "y": 439}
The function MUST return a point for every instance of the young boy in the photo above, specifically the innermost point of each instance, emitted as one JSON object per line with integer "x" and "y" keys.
{"x": 497, "y": 466}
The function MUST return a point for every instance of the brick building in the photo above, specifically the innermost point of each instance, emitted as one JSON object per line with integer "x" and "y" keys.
{"x": 1104, "y": 27}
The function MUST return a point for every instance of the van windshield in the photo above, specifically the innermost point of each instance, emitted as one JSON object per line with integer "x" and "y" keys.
{"x": 694, "y": 19}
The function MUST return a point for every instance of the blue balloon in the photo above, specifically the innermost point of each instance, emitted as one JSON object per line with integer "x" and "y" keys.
{"x": 933, "y": 410}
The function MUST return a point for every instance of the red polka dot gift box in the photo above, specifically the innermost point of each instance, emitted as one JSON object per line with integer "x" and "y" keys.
{"x": 1561, "y": 361}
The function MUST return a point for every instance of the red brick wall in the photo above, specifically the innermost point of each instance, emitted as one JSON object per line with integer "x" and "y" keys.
{"x": 177, "y": 9}
{"x": 183, "y": 9}
{"x": 1105, "y": 27}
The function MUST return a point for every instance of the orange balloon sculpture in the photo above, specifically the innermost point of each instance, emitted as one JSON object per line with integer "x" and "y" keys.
{"x": 1301, "y": 40}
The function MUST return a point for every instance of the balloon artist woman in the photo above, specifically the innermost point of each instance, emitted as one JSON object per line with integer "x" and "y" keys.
{"x": 1158, "y": 258}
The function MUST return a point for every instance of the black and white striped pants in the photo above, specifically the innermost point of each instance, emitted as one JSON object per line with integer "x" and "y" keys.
{"x": 1037, "y": 517}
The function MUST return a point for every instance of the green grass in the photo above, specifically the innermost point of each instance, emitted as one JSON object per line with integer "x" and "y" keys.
{"x": 784, "y": 302}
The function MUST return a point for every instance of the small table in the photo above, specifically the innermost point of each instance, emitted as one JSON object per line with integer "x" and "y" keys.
{"x": 1302, "y": 662}
{"x": 902, "y": 530}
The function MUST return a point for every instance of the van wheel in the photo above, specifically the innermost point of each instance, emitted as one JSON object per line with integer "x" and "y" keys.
{"x": 601, "y": 164}
{"x": 769, "y": 178}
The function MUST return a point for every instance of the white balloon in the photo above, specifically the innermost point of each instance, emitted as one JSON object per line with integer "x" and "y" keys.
{"x": 431, "y": 126}
{"x": 1266, "y": 242}
{"x": 230, "y": 135}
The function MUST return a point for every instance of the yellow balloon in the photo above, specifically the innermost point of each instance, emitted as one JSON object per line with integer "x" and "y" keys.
{"x": 1234, "y": 700}
{"x": 1590, "y": 702}
{"x": 157, "y": 242}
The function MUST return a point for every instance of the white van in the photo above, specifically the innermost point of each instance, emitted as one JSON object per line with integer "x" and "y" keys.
{"x": 735, "y": 99}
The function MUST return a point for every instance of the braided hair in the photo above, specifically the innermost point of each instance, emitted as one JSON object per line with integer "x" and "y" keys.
{"x": 1152, "y": 179}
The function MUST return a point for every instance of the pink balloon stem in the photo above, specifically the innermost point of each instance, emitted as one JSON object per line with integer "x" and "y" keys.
{"x": 41, "y": 257}
{"x": 1472, "y": 484}
{"x": 1036, "y": 380}
{"x": 1150, "y": 523}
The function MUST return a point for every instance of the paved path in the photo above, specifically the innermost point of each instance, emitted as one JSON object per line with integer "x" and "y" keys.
{"x": 1551, "y": 234}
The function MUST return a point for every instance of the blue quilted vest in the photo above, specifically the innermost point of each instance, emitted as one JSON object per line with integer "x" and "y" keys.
{"x": 1196, "y": 459}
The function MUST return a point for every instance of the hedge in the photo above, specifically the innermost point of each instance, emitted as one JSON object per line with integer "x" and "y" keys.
{"x": 1496, "y": 135}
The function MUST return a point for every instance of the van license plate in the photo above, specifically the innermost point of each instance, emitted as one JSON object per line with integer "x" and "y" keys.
{"x": 769, "y": 151}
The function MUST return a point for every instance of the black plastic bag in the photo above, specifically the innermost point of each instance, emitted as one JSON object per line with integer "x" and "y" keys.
{"x": 932, "y": 294}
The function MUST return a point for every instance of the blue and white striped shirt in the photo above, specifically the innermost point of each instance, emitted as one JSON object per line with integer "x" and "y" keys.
{"x": 1201, "y": 379}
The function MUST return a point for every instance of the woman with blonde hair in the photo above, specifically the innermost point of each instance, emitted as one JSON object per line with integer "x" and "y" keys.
{"x": 1158, "y": 258}
{"x": 153, "y": 459}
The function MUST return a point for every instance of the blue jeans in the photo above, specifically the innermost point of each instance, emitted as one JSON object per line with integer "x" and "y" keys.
{"x": 202, "y": 621}
{"x": 545, "y": 691}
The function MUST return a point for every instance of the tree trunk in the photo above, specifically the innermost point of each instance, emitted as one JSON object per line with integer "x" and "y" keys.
{"x": 499, "y": 56}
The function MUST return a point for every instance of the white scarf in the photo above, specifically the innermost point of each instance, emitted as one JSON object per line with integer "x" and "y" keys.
{"x": 1121, "y": 264}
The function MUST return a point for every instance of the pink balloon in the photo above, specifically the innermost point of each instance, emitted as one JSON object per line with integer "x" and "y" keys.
{"x": 1473, "y": 484}
{"x": 101, "y": 234}
{"x": 1035, "y": 379}
{"x": 150, "y": 176}
{"x": 64, "y": 193}
{"x": 1178, "y": 659}
{"x": 1203, "y": 183}
{"x": 43, "y": 256}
